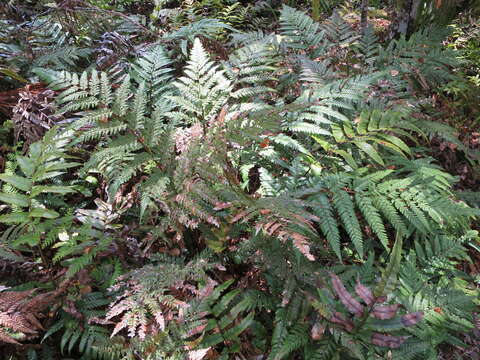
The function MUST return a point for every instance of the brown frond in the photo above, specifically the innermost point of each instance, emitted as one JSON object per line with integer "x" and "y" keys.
{"x": 4, "y": 337}
{"x": 276, "y": 226}
{"x": 9, "y": 300}
{"x": 33, "y": 113}
{"x": 19, "y": 311}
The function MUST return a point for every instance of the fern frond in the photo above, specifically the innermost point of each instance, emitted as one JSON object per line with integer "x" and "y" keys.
{"x": 299, "y": 30}
{"x": 154, "y": 69}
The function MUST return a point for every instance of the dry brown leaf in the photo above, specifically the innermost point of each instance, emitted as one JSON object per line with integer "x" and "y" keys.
{"x": 412, "y": 318}
{"x": 222, "y": 205}
{"x": 4, "y": 337}
{"x": 364, "y": 293}
{"x": 317, "y": 331}
{"x": 197, "y": 330}
{"x": 20, "y": 313}
{"x": 345, "y": 297}
{"x": 385, "y": 312}
{"x": 339, "y": 319}
{"x": 301, "y": 243}
{"x": 238, "y": 217}
{"x": 392, "y": 342}
{"x": 16, "y": 322}
{"x": 208, "y": 288}
{"x": 9, "y": 299}
{"x": 33, "y": 114}
{"x": 197, "y": 354}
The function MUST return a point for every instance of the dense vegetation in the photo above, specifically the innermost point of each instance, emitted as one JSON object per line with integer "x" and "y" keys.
{"x": 221, "y": 179}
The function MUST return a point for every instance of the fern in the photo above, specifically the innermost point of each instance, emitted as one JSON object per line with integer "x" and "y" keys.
{"x": 421, "y": 56}
{"x": 344, "y": 206}
{"x": 268, "y": 196}
{"x": 207, "y": 28}
{"x": 368, "y": 46}
{"x": 64, "y": 57}
{"x": 301, "y": 31}
{"x": 153, "y": 69}
{"x": 338, "y": 31}
{"x": 46, "y": 160}
{"x": 204, "y": 90}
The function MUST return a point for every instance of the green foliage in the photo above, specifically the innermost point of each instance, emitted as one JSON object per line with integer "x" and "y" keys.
{"x": 272, "y": 196}
{"x": 78, "y": 334}
{"x": 45, "y": 162}
{"x": 300, "y": 30}
{"x": 202, "y": 92}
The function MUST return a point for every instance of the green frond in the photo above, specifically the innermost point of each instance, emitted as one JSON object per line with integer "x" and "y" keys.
{"x": 62, "y": 58}
{"x": 372, "y": 217}
{"x": 154, "y": 69}
{"x": 204, "y": 89}
{"x": 344, "y": 206}
{"x": 328, "y": 224}
{"x": 299, "y": 30}
{"x": 204, "y": 27}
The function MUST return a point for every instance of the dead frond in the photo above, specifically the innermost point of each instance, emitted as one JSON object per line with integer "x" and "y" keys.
{"x": 20, "y": 312}
{"x": 33, "y": 115}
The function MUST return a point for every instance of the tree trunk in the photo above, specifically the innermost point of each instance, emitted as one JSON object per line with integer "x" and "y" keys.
{"x": 406, "y": 15}
{"x": 364, "y": 15}
{"x": 316, "y": 10}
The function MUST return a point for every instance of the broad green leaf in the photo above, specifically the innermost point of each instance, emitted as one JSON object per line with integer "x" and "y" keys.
{"x": 14, "y": 218}
{"x": 12, "y": 74}
{"x": 234, "y": 332}
{"x": 73, "y": 340}
{"x": 223, "y": 304}
{"x": 348, "y": 158}
{"x": 17, "y": 181}
{"x": 15, "y": 199}
{"x": 66, "y": 336}
{"x": 30, "y": 239}
{"x": 26, "y": 164}
{"x": 60, "y": 165}
{"x": 212, "y": 340}
{"x": 375, "y": 117}
{"x": 39, "y": 176}
{"x": 397, "y": 142}
{"x": 326, "y": 145}
{"x": 389, "y": 145}
{"x": 219, "y": 289}
{"x": 362, "y": 125}
{"x": 53, "y": 329}
{"x": 56, "y": 189}
{"x": 347, "y": 128}
{"x": 44, "y": 213}
{"x": 338, "y": 134}
{"x": 385, "y": 325}
{"x": 408, "y": 125}
{"x": 370, "y": 151}
{"x": 35, "y": 151}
